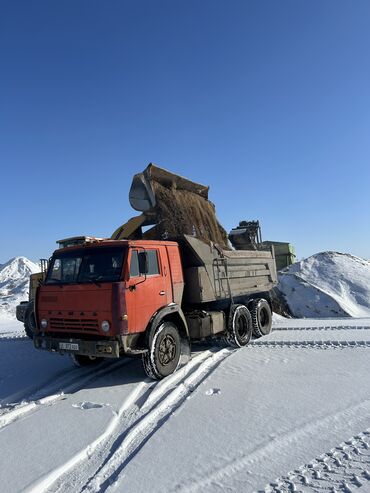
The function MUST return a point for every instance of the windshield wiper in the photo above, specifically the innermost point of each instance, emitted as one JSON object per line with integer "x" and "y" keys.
{"x": 95, "y": 280}
{"x": 52, "y": 282}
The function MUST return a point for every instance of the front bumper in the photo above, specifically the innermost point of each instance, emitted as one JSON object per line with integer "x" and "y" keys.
{"x": 98, "y": 349}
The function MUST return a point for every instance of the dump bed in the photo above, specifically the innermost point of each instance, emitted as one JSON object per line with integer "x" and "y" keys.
{"x": 213, "y": 274}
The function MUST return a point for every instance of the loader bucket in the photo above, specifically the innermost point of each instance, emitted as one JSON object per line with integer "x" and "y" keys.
{"x": 142, "y": 194}
{"x": 173, "y": 206}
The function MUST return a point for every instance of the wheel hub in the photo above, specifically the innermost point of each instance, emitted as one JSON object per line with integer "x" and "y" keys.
{"x": 167, "y": 350}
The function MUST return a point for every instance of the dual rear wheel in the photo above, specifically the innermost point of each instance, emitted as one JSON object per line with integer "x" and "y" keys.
{"x": 261, "y": 317}
{"x": 239, "y": 327}
{"x": 244, "y": 322}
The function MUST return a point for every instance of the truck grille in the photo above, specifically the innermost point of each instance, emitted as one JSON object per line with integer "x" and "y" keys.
{"x": 74, "y": 324}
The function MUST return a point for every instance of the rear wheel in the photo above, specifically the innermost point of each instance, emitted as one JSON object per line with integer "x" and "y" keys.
{"x": 81, "y": 360}
{"x": 239, "y": 330}
{"x": 261, "y": 317}
{"x": 29, "y": 320}
{"x": 164, "y": 353}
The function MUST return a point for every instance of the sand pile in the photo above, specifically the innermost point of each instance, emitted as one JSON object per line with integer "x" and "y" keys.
{"x": 181, "y": 212}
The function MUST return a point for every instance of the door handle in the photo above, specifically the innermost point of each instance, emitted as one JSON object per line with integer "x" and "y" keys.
{"x": 162, "y": 293}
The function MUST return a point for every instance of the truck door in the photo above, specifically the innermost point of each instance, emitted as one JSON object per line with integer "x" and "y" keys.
{"x": 146, "y": 291}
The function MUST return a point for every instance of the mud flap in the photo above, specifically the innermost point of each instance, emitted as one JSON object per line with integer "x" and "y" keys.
{"x": 185, "y": 352}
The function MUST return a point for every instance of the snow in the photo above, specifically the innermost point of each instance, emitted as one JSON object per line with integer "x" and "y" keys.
{"x": 328, "y": 284}
{"x": 14, "y": 284}
{"x": 277, "y": 318}
{"x": 289, "y": 412}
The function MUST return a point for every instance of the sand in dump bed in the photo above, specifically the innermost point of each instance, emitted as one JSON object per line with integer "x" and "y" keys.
{"x": 182, "y": 212}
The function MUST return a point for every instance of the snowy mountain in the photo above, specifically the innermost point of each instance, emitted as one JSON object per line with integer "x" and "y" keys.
{"x": 14, "y": 280}
{"x": 327, "y": 284}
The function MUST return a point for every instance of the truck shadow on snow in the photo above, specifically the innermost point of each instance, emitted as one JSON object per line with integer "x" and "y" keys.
{"x": 30, "y": 375}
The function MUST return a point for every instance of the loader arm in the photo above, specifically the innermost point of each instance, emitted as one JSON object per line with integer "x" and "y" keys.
{"x": 128, "y": 229}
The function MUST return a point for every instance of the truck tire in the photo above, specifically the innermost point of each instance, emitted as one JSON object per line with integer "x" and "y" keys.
{"x": 239, "y": 329}
{"x": 29, "y": 320}
{"x": 81, "y": 361}
{"x": 164, "y": 353}
{"x": 261, "y": 317}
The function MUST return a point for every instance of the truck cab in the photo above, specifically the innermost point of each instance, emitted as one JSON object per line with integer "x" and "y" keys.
{"x": 99, "y": 298}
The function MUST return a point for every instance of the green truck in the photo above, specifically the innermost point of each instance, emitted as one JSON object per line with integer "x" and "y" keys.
{"x": 248, "y": 235}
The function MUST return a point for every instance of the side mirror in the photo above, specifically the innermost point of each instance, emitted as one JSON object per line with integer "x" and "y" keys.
{"x": 143, "y": 263}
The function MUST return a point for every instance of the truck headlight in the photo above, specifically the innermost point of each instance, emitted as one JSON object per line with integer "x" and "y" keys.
{"x": 44, "y": 323}
{"x": 105, "y": 326}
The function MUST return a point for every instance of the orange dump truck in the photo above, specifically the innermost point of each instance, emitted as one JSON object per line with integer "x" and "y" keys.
{"x": 109, "y": 298}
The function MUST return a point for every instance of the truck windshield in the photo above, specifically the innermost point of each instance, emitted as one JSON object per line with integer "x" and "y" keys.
{"x": 84, "y": 266}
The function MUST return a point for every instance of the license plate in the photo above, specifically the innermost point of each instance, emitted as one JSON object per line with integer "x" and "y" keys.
{"x": 69, "y": 345}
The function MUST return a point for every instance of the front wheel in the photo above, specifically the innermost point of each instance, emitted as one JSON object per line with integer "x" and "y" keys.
{"x": 29, "y": 320}
{"x": 164, "y": 352}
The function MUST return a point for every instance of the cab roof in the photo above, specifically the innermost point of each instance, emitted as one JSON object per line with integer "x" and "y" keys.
{"x": 105, "y": 242}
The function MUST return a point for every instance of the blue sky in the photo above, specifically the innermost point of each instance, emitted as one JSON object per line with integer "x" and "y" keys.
{"x": 268, "y": 102}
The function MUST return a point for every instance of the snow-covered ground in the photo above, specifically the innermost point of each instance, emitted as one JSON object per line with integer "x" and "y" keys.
{"x": 290, "y": 412}
{"x": 327, "y": 284}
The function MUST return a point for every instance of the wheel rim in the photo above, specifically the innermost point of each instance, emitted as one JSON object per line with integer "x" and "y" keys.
{"x": 167, "y": 350}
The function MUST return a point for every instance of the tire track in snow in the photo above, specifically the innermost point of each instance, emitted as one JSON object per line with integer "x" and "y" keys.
{"x": 151, "y": 421}
{"x": 49, "y": 479}
{"x": 311, "y": 344}
{"x": 61, "y": 377}
{"x": 325, "y": 327}
{"x": 14, "y": 336}
{"x": 272, "y": 447}
{"x": 154, "y": 405}
{"x": 56, "y": 392}
{"x": 344, "y": 468}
